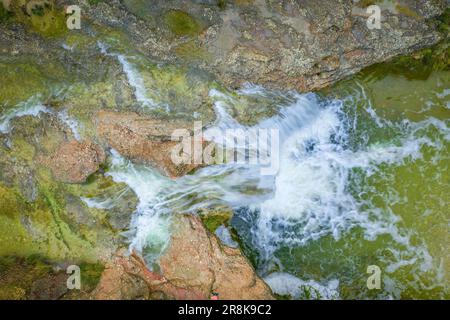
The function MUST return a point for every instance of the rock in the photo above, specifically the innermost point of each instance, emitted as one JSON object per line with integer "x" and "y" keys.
{"x": 51, "y": 287}
{"x": 303, "y": 45}
{"x": 196, "y": 259}
{"x": 74, "y": 161}
{"x": 143, "y": 139}
{"x": 126, "y": 277}
{"x": 194, "y": 266}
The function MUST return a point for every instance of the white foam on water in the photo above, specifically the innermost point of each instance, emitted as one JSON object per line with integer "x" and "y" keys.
{"x": 29, "y": 108}
{"x": 150, "y": 226}
{"x": 310, "y": 197}
{"x": 135, "y": 80}
{"x": 224, "y": 235}
{"x": 286, "y": 284}
{"x": 73, "y": 125}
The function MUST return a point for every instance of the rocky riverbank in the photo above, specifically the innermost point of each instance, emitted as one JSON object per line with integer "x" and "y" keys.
{"x": 134, "y": 72}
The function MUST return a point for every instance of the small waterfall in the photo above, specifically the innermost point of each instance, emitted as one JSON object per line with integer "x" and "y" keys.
{"x": 71, "y": 123}
{"x": 28, "y": 108}
{"x": 150, "y": 224}
{"x": 134, "y": 78}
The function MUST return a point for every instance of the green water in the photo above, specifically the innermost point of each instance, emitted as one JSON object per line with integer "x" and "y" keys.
{"x": 415, "y": 191}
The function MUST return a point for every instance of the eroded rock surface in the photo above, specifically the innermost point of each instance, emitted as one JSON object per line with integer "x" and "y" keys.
{"x": 194, "y": 266}
{"x": 195, "y": 259}
{"x": 303, "y": 45}
{"x": 143, "y": 139}
{"x": 74, "y": 161}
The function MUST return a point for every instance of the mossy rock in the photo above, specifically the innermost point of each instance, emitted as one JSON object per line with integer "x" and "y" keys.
{"x": 42, "y": 16}
{"x": 407, "y": 11}
{"x": 181, "y": 93}
{"x": 90, "y": 275}
{"x": 8, "y": 203}
{"x": 214, "y": 218}
{"x": 367, "y": 3}
{"x": 190, "y": 51}
{"x": 182, "y": 24}
{"x": 5, "y": 15}
{"x": 20, "y": 81}
{"x": 43, "y": 227}
{"x": 444, "y": 23}
{"x": 36, "y": 277}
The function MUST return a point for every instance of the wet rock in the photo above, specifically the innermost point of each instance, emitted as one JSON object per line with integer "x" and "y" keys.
{"x": 143, "y": 139}
{"x": 74, "y": 161}
{"x": 116, "y": 200}
{"x": 194, "y": 266}
{"x": 303, "y": 45}
{"x": 51, "y": 287}
{"x": 196, "y": 259}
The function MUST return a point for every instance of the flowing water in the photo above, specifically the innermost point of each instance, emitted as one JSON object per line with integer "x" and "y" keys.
{"x": 363, "y": 180}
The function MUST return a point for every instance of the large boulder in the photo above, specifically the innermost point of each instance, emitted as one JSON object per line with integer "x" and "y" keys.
{"x": 197, "y": 260}
{"x": 143, "y": 139}
{"x": 195, "y": 266}
{"x": 303, "y": 45}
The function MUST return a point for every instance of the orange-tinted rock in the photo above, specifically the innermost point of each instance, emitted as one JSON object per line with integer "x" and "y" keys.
{"x": 196, "y": 259}
{"x": 74, "y": 161}
{"x": 194, "y": 266}
{"x": 143, "y": 139}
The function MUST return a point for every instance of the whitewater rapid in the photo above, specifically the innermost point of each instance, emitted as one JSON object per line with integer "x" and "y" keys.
{"x": 309, "y": 198}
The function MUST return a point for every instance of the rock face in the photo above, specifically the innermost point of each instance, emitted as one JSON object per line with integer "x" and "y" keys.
{"x": 195, "y": 259}
{"x": 74, "y": 161}
{"x": 303, "y": 45}
{"x": 143, "y": 139}
{"x": 194, "y": 266}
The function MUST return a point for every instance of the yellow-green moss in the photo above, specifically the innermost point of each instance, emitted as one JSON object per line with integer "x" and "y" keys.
{"x": 406, "y": 11}
{"x": 182, "y": 24}
{"x": 8, "y": 204}
{"x": 80, "y": 41}
{"x": 41, "y": 228}
{"x": 185, "y": 93}
{"x": 444, "y": 23}
{"x": 191, "y": 51}
{"x": 212, "y": 219}
{"x": 42, "y": 16}
{"x": 27, "y": 77}
{"x": 5, "y": 15}
{"x": 14, "y": 239}
{"x": 23, "y": 149}
{"x": 19, "y": 82}
{"x": 90, "y": 275}
{"x": 366, "y": 3}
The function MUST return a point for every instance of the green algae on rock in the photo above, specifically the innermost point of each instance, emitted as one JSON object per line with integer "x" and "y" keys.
{"x": 40, "y": 16}
{"x": 182, "y": 24}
